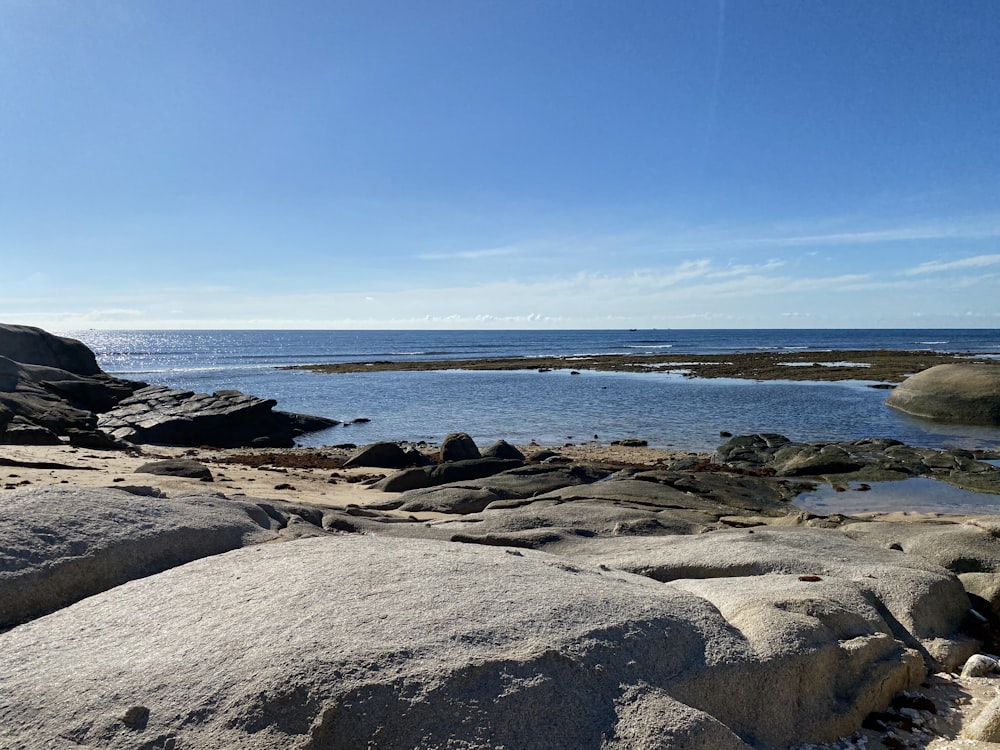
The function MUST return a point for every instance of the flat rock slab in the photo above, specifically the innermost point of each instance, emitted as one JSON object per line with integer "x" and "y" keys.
{"x": 353, "y": 642}
{"x": 59, "y": 545}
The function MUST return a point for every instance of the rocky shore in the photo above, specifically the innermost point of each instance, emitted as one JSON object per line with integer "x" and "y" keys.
{"x": 876, "y": 365}
{"x": 461, "y": 596}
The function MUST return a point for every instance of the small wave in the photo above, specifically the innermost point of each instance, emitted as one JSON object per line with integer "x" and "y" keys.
{"x": 649, "y": 346}
{"x": 930, "y": 342}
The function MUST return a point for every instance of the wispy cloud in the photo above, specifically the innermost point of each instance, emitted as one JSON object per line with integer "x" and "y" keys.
{"x": 975, "y": 261}
{"x": 489, "y": 252}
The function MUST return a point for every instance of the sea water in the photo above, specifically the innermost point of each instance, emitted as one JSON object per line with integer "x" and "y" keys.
{"x": 666, "y": 409}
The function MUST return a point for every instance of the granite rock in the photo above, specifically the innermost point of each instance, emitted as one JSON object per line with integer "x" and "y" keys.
{"x": 434, "y": 645}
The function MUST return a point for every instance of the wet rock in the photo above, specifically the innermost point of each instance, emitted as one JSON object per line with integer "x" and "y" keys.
{"x": 812, "y": 460}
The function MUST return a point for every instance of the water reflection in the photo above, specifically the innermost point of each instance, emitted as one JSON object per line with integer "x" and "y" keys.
{"x": 918, "y": 494}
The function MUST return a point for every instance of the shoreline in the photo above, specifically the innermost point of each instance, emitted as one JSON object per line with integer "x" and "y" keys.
{"x": 882, "y": 365}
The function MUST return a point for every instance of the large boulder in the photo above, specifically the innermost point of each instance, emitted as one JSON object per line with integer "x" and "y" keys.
{"x": 347, "y": 642}
{"x": 33, "y": 346}
{"x": 58, "y": 545}
{"x": 963, "y": 393}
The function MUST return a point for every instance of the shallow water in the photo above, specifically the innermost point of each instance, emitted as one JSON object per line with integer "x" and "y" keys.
{"x": 918, "y": 494}
{"x": 665, "y": 408}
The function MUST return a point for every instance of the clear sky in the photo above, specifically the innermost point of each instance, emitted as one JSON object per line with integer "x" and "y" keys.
{"x": 499, "y": 164}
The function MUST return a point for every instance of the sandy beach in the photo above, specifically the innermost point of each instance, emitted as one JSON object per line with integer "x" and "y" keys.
{"x": 301, "y": 475}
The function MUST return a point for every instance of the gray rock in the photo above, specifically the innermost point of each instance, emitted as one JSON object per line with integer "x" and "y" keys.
{"x": 381, "y": 455}
{"x": 503, "y": 449}
{"x": 226, "y": 419}
{"x": 457, "y": 500}
{"x": 95, "y": 440}
{"x": 922, "y": 601}
{"x": 813, "y": 460}
{"x": 963, "y": 393}
{"x": 177, "y": 467}
{"x": 446, "y": 473}
{"x": 349, "y": 642}
{"x": 9, "y": 374}
{"x": 20, "y": 431}
{"x": 979, "y": 665}
{"x": 58, "y": 545}
{"x": 459, "y": 446}
{"x": 33, "y": 346}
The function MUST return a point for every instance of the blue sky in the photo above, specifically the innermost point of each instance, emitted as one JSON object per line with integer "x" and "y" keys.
{"x": 509, "y": 164}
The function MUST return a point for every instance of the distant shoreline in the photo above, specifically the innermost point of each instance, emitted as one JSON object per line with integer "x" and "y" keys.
{"x": 885, "y": 366}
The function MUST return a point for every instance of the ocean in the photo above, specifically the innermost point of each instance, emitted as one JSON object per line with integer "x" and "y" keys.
{"x": 666, "y": 409}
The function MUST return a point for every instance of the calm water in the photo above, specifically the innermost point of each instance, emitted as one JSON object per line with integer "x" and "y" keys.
{"x": 666, "y": 409}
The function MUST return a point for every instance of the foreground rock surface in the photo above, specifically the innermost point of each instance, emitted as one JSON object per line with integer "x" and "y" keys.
{"x": 433, "y": 645}
{"x": 60, "y": 545}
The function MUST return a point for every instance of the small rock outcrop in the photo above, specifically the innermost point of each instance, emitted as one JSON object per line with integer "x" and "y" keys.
{"x": 224, "y": 419}
{"x": 870, "y": 459}
{"x": 960, "y": 393}
{"x": 52, "y": 391}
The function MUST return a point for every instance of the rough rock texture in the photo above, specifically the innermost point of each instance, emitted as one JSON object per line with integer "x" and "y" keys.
{"x": 349, "y": 642}
{"x": 225, "y": 419}
{"x": 962, "y": 393}
{"x": 868, "y": 459}
{"x": 58, "y": 545}
{"x": 33, "y": 346}
{"x": 921, "y": 600}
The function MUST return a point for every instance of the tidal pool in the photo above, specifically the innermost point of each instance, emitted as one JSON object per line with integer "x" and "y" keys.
{"x": 915, "y": 494}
